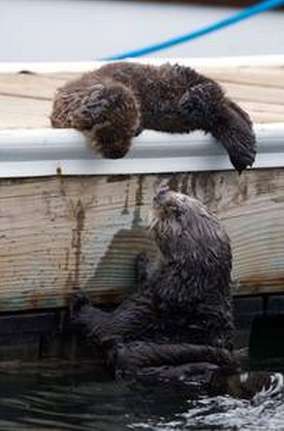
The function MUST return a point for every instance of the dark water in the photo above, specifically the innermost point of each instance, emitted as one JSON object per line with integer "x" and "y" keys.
{"x": 70, "y": 401}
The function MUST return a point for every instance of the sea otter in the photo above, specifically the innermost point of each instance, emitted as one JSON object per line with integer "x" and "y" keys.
{"x": 113, "y": 104}
{"x": 178, "y": 326}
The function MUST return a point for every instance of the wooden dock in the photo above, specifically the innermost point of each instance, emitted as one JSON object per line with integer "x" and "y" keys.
{"x": 25, "y": 98}
{"x": 61, "y": 232}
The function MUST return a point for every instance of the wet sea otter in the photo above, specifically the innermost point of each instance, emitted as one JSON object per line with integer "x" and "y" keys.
{"x": 113, "y": 104}
{"x": 178, "y": 326}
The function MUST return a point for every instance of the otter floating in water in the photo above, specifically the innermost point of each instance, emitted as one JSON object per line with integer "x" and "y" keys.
{"x": 116, "y": 102}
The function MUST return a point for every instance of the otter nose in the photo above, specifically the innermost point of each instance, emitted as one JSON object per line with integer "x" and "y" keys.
{"x": 161, "y": 195}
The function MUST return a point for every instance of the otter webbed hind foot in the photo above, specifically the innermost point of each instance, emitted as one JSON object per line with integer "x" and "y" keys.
{"x": 205, "y": 107}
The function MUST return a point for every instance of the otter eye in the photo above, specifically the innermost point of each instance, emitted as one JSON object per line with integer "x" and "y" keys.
{"x": 161, "y": 195}
{"x": 176, "y": 211}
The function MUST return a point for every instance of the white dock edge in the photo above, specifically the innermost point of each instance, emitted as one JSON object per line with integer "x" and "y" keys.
{"x": 46, "y": 152}
{"x": 260, "y": 61}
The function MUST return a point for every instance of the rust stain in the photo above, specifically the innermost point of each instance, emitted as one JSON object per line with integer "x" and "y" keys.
{"x": 66, "y": 260}
{"x": 137, "y": 219}
{"x": 37, "y": 299}
{"x": 243, "y": 188}
{"x": 113, "y": 296}
{"x": 173, "y": 182}
{"x": 70, "y": 284}
{"x": 257, "y": 284}
{"x": 125, "y": 210}
{"x": 185, "y": 183}
{"x": 62, "y": 185}
{"x": 117, "y": 178}
{"x": 76, "y": 243}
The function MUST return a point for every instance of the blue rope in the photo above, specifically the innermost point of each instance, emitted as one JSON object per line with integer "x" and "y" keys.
{"x": 246, "y": 13}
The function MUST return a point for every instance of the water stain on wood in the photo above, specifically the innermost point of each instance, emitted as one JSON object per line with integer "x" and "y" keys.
{"x": 125, "y": 210}
{"x": 66, "y": 259}
{"x": 116, "y": 269}
{"x": 241, "y": 189}
{"x": 255, "y": 284}
{"x": 76, "y": 243}
{"x": 184, "y": 184}
{"x": 173, "y": 182}
{"x": 137, "y": 219}
{"x": 118, "y": 178}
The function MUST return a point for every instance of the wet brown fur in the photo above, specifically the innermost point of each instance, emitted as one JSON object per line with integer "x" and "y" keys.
{"x": 113, "y": 104}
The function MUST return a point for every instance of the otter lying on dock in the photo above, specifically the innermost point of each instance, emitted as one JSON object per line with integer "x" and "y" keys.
{"x": 116, "y": 102}
{"x": 178, "y": 326}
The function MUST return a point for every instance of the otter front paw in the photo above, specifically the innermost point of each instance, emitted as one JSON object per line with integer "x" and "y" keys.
{"x": 77, "y": 301}
{"x": 92, "y": 110}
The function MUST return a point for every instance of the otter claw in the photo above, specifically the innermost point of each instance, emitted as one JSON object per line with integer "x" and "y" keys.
{"x": 77, "y": 301}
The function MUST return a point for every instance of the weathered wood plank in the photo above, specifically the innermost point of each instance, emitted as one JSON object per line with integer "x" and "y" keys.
{"x": 255, "y": 93}
{"x": 16, "y": 113}
{"x": 268, "y": 76}
{"x": 60, "y": 233}
{"x": 25, "y": 98}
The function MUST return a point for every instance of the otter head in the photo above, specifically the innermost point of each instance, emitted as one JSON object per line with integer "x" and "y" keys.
{"x": 117, "y": 123}
{"x": 110, "y": 142}
{"x": 185, "y": 231}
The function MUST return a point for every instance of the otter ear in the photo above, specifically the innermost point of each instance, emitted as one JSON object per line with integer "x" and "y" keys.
{"x": 184, "y": 102}
{"x": 91, "y": 109}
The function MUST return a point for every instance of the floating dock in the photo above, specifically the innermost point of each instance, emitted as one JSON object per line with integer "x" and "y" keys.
{"x": 69, "y": 218}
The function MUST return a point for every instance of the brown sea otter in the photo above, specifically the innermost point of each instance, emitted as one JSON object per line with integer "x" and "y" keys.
{"x": 113, "y": 104}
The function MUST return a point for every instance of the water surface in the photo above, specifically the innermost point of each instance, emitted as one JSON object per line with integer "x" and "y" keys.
{"x": 81, "y": 401}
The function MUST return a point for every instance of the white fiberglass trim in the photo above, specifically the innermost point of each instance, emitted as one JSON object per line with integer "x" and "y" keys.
{"x": 44, "y": 152}
{"x": 83, "y": 66}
